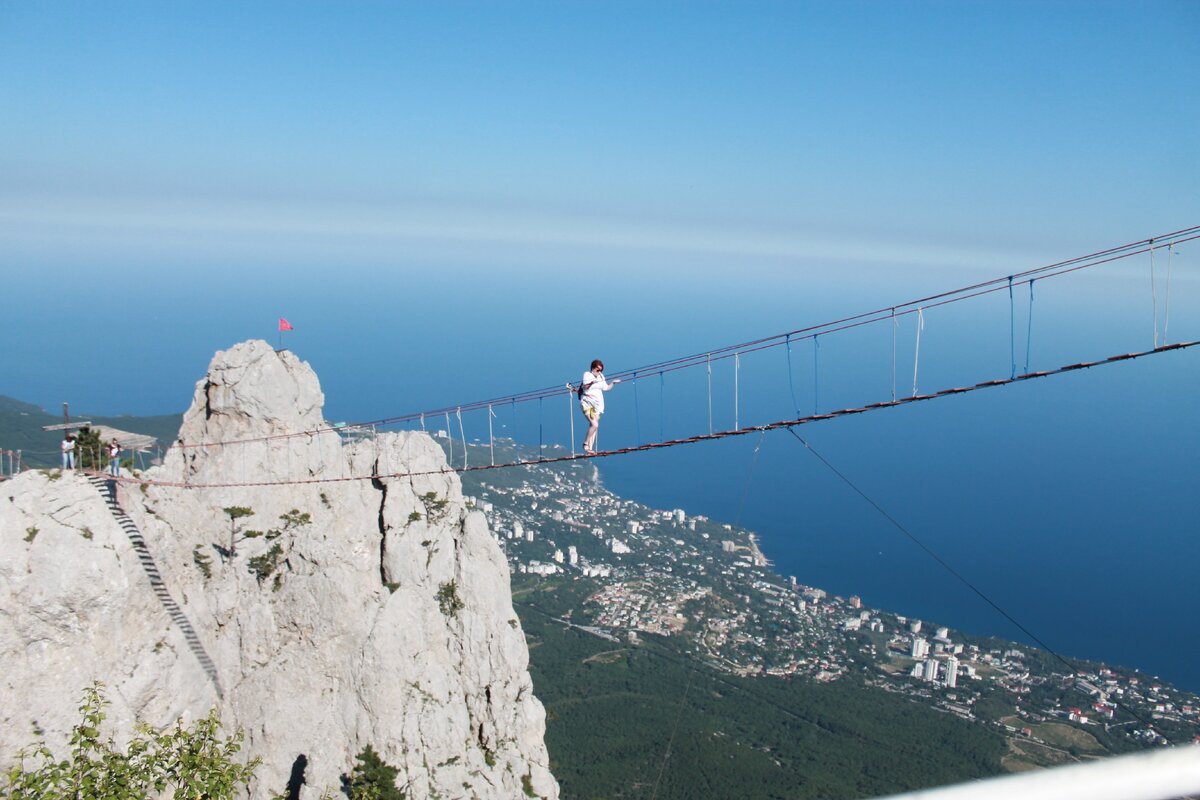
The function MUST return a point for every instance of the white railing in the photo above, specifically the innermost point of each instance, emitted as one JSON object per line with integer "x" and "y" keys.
{"x": 1156, "y": 775}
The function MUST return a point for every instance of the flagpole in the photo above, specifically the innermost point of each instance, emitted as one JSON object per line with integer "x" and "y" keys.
{"x": 284, "y": 325}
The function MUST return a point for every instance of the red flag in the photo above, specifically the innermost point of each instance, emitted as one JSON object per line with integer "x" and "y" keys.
{"x": 284, "y": 325}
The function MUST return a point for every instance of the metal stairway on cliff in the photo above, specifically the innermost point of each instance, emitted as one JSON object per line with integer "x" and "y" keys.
{"x": 107, "y": 490}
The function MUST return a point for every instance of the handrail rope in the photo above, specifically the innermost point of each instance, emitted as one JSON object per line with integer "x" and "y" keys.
{"x": 1029, "y": 327}
{"x": 1116, "y": 253}
{"x": 662, "y": 406}
{"x": 571, "y": 418}
{"x": 943, "y": 298}
{"x": 514, "y": 421}
{"x": 710, "y": 428}
{"x": 917, "y": 354}
{"x": 893, "y": 354}
{"x": 1153, "y": 295}
{"x": 1167, "y": 300}
{"x": 637, "y": 410}
{"x": 791, "y": 381}
{"x": 737, "y": 369}
{"x": 816, "y": 373}
{"x": 699, "y": 437}
{"x": 1012, "y": 329}
{"x": 463, "y": 434}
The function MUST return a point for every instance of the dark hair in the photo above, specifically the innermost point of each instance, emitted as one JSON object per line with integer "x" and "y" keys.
{"x": 597, "y": 363}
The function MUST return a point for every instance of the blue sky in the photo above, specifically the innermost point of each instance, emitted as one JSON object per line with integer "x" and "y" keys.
{"x": 411, "y": 134}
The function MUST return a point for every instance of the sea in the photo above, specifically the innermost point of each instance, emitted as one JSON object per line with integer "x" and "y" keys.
{"x": 1060, "y": 511}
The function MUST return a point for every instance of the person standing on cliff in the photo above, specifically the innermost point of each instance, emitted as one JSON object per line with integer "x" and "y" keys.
{"x": 68, "y": 452}
{"x": 591, "y": 401}
{"x": 114, "y": 458}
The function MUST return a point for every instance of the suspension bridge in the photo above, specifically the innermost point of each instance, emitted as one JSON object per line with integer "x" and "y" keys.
{"x": 733, "y": 392}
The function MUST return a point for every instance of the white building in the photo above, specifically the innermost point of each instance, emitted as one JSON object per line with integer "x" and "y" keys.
{"x": 931, "y": 670}
{"x": 951, "y": 673}
{"x": 572, "y": 556}
{"x": 915, "y": 626}
{"x": 679, "y": 516}
{"x": 558, "y": 556}
{"x": 518, "y": 530}
{"x": 633, "y": 526}
{"x": 920, "y": 647}
{"x": 618, "y": 546}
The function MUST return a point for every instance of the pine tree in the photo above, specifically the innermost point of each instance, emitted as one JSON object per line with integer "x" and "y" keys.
{"x": 373, "y": 779}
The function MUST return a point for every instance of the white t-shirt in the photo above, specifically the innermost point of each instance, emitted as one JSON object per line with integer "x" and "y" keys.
{"x": 67, "y": 445}
{"x": 593, "y": 391}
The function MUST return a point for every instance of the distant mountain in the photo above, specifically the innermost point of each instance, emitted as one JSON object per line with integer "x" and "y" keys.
{"x": 8, "y": 404}
{"x": 21, "y": 429}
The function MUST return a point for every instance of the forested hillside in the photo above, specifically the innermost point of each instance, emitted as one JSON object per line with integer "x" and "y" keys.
{"x": 619, "y": 714}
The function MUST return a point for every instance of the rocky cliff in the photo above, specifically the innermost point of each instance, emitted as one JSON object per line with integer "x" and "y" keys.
{"x": 322, "y": 618}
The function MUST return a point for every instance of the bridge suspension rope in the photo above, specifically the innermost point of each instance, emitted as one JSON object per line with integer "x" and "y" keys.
{"x": 742, "y": 349}
{"x": 715, "y": 435}
{"x": 705, "y": 360}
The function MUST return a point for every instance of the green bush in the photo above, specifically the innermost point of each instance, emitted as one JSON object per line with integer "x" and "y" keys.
{"x": 263, "y": 565}
{"x": 235, "y": 513}
{"x": 202, "y": 561}
{"x": 196, "y": 762}
{"x": 448, "y": 599}
{"x": 373, "y": 779}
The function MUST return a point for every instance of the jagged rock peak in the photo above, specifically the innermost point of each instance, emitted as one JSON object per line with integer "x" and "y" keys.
{"x": 334, "y": 616}
{"x": 250, "y": 390}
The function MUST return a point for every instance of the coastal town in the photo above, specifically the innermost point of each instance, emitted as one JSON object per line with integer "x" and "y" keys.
{"x": 707, "y": 588}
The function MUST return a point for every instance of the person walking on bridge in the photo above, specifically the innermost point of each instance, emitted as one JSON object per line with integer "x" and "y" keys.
{"x": 591, "y": 401}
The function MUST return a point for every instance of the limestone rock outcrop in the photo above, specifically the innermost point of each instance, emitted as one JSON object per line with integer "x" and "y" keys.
{"x": 326, "y": 617}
